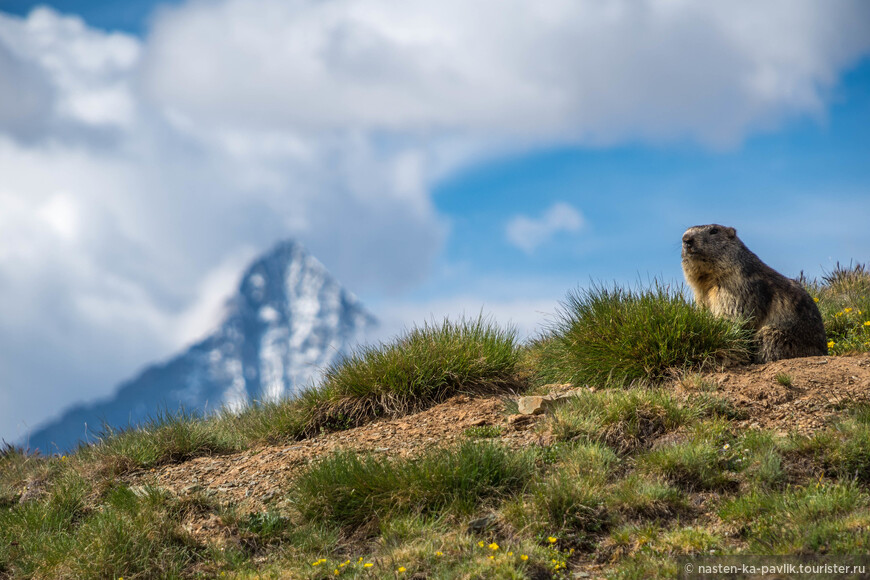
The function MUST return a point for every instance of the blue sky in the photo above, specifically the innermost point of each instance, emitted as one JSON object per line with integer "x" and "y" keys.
{"x": 130, "y": 16}
{"x": 439, "y": 158}
{"x": 798, "y": 194}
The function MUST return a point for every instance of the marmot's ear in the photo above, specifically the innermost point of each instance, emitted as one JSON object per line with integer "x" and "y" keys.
{"x": 731, "y": 232}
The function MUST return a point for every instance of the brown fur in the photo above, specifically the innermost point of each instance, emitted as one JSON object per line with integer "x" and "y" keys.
{"x": 734, "y": 283}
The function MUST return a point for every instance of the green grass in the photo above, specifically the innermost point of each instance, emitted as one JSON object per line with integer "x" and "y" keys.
{"x": 843, "y": 451}
{"x": 168, "y": 438}
{"x": 571, "y": 505}
{"x": 762, "y": 460}
{"x": 349, "y": 490}
{"x": 649, "y": 550}
{"x": 483, "y": 432}
{"x": 693, "y": 466}
{"x": 821, "y": 518}
{"x": 570, "y": 499}
{"x": 625, "y": 419}
{"x": 613, "y": 336}
{"x": 642, "y": 497}
{"x": 843, "y": 297}
{"x": 706, "y": 460}
{"x": 626, "y": 477}
{"x": 17, "y": 469}
{"x": 129, "y": 534}
{"x": 425, "y": 366}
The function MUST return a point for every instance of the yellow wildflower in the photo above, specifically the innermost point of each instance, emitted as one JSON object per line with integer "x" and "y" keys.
{"x": 492, "y": 557}
{"x": 552, "y": 540}
{"x": 480, "y": 543}
{"x": 510, "y": 553}
{"x": 493, "y": 546}
{"x": 368, "y": 565}
{"x": 815, "y": 299}
{"x": 439, "y": 553}
{"x": 401, "y": 569}
{"x": 847, "y": 310}
{"x": 867, "y": 323}
{"x": 524, "y": 557}
{"x": 830, "y": 344}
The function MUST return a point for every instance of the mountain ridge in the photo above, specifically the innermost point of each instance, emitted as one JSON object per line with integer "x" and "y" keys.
{"x": 288, "y": 320}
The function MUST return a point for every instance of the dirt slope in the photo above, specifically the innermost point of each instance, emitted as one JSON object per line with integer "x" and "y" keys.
{"x": 253, "y": 479}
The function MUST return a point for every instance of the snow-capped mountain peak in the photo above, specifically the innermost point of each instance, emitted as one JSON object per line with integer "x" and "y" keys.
{"x": 288, "y": 321}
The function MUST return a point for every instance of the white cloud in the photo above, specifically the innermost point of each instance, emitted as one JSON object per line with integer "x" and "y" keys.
{"x": 131, "y": 169}
{"x": 26, "y": 96}
{"x": 591, "y": 72}
{"x": 123, "y": 229}
{"x": 528, "y": 233}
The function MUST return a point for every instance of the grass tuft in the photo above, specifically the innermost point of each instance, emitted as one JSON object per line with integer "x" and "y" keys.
{"x": 844, "y": 451}
{"x": 129, "y": 534}
{"x": 424, "y": 367}
{"x": 816, "y": 518}
{"x": 570, "y": 504}
{"x": 622, "y": 419}
{"x": 168, "y": 438}
{"x": 350, "y": 490}
{"x": 613, "y": 336}
{"x": 637, "y": 496}
{"x": 706, "y": 461}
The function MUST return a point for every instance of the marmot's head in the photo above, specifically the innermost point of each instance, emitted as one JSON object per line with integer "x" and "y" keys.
{"x": 710, "y": 249}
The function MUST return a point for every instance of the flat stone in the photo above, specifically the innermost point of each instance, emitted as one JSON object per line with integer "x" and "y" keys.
{"x": 537, "y": 404}
{"x": 531, "y": 405}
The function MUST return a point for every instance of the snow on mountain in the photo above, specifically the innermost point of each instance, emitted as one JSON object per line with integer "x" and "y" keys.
{"x": 289, "y": 321}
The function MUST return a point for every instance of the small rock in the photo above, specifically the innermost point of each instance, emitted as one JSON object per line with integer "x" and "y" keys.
{"x": 537, "y": 404}
{"x": 532, "y": 405}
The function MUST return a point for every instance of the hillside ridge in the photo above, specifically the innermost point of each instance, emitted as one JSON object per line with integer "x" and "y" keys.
{"x": 254, "y": 479}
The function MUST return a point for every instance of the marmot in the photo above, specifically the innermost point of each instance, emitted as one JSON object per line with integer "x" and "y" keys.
{"x": 732, "y": 282}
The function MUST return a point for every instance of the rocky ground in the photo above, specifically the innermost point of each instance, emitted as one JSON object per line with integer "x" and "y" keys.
{"x": 797, "y": 394}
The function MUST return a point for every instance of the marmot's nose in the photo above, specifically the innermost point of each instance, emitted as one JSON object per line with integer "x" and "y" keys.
{"x": 688, "y": 240}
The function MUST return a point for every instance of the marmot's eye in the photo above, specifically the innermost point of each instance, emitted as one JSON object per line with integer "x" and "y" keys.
{"x": 714, "y": 231}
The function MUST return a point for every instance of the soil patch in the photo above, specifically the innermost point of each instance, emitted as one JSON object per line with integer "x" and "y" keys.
{"x": 818, "y": 389}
